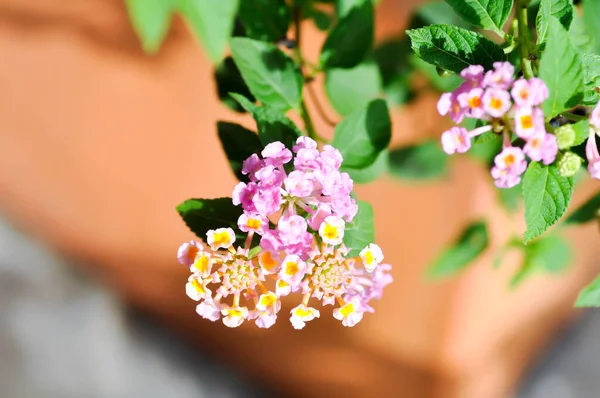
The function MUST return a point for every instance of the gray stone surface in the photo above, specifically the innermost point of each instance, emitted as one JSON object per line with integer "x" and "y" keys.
{"x": 62, "y": 336}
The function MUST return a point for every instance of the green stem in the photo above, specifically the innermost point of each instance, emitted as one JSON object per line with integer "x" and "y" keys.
{"x": 523, "y": 38}
{"x": 303, "y": 111}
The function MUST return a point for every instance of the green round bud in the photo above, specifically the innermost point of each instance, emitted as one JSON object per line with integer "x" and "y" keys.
{"x": 565, "y": 136}
{"x": 569, "y": 164}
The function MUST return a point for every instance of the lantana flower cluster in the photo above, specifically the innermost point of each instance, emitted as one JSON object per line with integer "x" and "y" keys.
{"x": 295, "y": 205}
{"x": 508, "y": 106}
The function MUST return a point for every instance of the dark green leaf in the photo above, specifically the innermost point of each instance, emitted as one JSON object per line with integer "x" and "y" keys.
{"x": 350, "y": 40}
{"x": 229, "y": 80}
{"x": 371, "y": 173}
{"x": 200, "y": 215}
{"x": 590, "y": 295}
{"x": 321, "y": 19}
{"x": 361, "y": 231}
{"x": 265, "y": 20}
{"x": 363, "y": 134}
{"x": 151, "y": 21}
{"x": 238, "y": 143}
{"x": 486, "y": 14}
{"x": 272, "y": 124}
{"x": 453, "y": 48}
{"x": 591, "y": 78}
{"x": 561, "y": 69}
{"x": 271, "y": 75}
{"x": 589, "y": 211}
{"x": 424, "y": 161}
{"x": 471, "y": 243}
{"x": 546, "y": 194}
{"x": 211, "y": 21}
{"x": 352, "y": 89}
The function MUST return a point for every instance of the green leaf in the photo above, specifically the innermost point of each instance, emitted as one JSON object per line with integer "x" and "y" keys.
{"x": 582, "y": 132}
{"x": 471, "y": 243}
{"x": 271, "y": 75}
{"x": 486, "y": 14}
{"x": 435, "y": 12}
{"x": 211, "y": 21}
{"x": 363, "y": 134}
{"x": 151, "y": 21}
{"x": 265, "y": 20}
{"x": 510, "y": 198}
{"x": 352, "y": 89}
{"x": 590, "y": 295}
{"x": 561, "y": 69}
{"x": 549, "y": 254}
{"x": 453, "y": 48}
{"x": 229, "y": 80}
{"x": 370, "y": 173}
{"x": 441, "y": 83}
{"x": 350, "y": 40}
{"x": 591, "y": 10}
{"x": 200, "y": 215}
{"x": 562, "y": 10}
{"x": 361, "y": 231}
{"x": 587, "y": 212}
{"x": 580, "y": 37}
{"x": 591, "y": 78}
{"x": 238, "y": 143}
{"x": 272, "y": 123}
{"x": 423, "y": 161}
{"x": 546, "y": 194}
{"x": 391, "y": 57}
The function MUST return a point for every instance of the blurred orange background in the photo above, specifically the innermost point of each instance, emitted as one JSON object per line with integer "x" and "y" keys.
{"x": 99, "y": 142}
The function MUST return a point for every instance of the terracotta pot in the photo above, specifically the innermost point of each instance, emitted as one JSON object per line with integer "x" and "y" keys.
{"x": 98, "y": 144}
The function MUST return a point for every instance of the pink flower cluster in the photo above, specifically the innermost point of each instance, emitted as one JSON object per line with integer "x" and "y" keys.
{"x": 508, "y": 106}
{"x": 298, "y": 203}
{"x": 591, "y": 148}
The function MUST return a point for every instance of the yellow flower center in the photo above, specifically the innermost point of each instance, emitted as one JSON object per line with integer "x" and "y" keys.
{"x": 201, "y": 264}
{"x": 253, "y": 223}
{"x": 291, "y": 268}
{"x": 301, "y": 312}
{"x": 347, "y": 309}
{"x": 509, "y": 160}
{"x": 369, "y": 257}
{"x": 234, "y": 312}
{"x": 198, "y": 286}
{"x": 527, "y": 121}
{"x": 221, "y": 238}
{"x": 496, "y": 103}
{"x": 268, "y": 300}
{"x": 330, "y": 231}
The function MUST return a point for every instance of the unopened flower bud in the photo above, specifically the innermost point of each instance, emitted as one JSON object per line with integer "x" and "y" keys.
{"x": 565, "y": 136}
{"x": 569, "y": 164}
